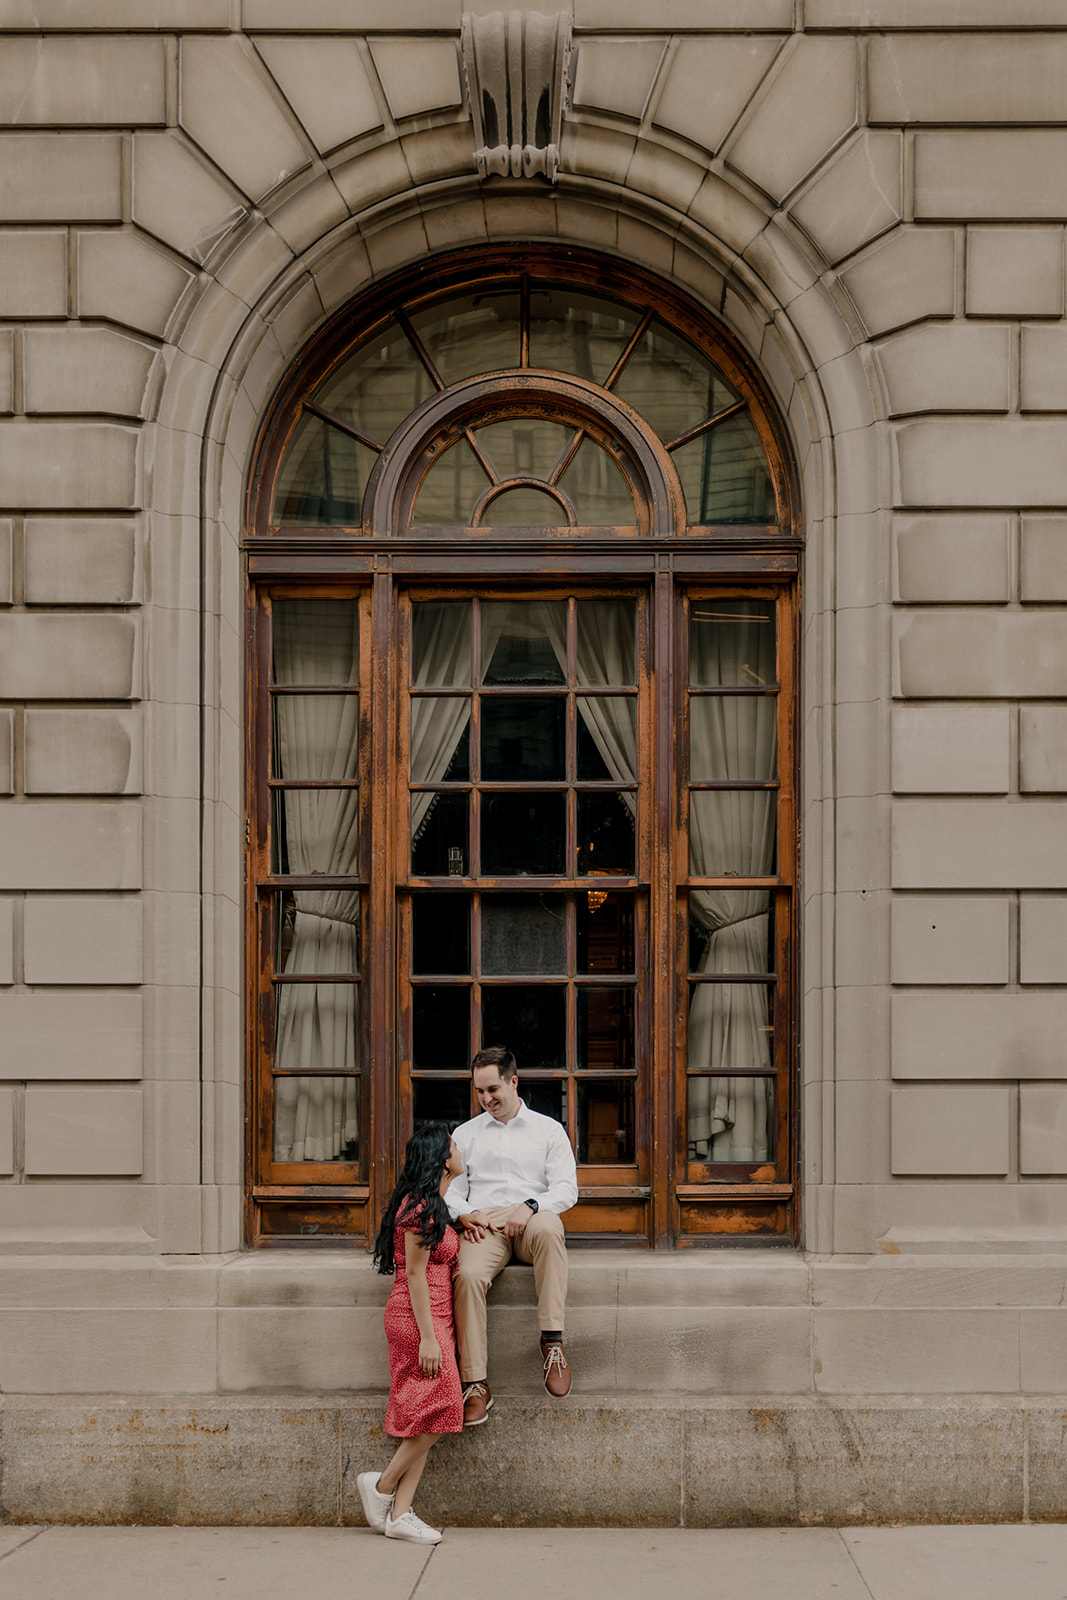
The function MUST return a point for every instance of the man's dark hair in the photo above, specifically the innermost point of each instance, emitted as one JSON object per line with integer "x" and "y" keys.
{"x": 496, "y": 1055}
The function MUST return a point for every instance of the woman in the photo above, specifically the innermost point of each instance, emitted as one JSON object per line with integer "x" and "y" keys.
{"x": 417, "y": 1241}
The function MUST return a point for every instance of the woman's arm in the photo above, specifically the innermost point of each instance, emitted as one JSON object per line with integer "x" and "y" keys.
{"x": 416, "y": 1257}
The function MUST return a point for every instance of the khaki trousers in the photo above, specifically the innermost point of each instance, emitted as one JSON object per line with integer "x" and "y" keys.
{"x": 542, "y": 1245}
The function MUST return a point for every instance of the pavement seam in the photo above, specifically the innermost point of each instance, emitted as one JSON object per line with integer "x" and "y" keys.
{"x": 841, "y": 1535}
{"x": 30, "y": 1537}
{"x": 422, "y": 1574}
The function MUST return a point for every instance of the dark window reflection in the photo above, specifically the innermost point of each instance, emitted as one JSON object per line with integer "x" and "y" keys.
{"x": 440, "y": 1027}
{"x": 550, "y": 1098}
{"x": 523, "y": 834}
{"x": 517, "y": 641}
{"x": 531, "y": 1019}
{"x": 592, "y": 768}
{"x": 441, "y": 940}
{"x": 605, "y": 1028}
{"x": 523, "y": 741}
{"x": 441, "y": 1100}
{"x": 606, "y": 839}
{"x": 441, "y": 847}
{"x": 524, "y": 933}
{"x": 605, "y": 931}
{"x": 605, "y": 1120}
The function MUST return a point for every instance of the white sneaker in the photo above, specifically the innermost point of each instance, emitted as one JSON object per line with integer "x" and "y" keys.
{"x": 411, "y": 1528}
{"x": 376, "y": 1506}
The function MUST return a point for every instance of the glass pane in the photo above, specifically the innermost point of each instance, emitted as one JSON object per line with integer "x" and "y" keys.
{"x": 445, "y": 1100}
{"x": 524, "y": 447}
{"x": 731, "y": 1027}
{"x": 440, "y": 846}
{"x": 725, "y": 475}
{"x": 672, "y": 385}
{"x": 440, "y": 644}
{"x": 732, "y": 643}
{"x": 376, "y": 388}
{"x": 316, "y": 736}
{"x": 440, "y": 1027}
{"x": 733, "y": 738}
{"x": 316, "y": 1027}
{"x": 597, "y": 489}
{"x": 524, "y": 933}
{"x": 605, "y": 1029}
{"x": 322, "y": 477}
{"x": 524, "y": 641}
{"x": 731, "y": 1119}
{"x": 471, "y": 334}
{"x": 315, "y": 830}
{"x": 316, "y": 1119}
{"x": 441, "y": 937}
{"x": 731, "y": 930}
{"x": 523, "y": 835}
{"x": 440, "y": 740}
{"x": 607, "y": 738}
{"x": 530, "y": 1019}
{"x": 605, "y": 1120}
{"x": 524, "y": 507}
{"x": 579, "y": 333}
{"x": 315, "y": 642}
{"x": 605, "y": 642}
{"x": 549, "y": 1098}
{"x": 523, "y": 741}
{"x": 605, "y": 931}
{"x": 451, "y": 489}
{"x": 732, "y": 832}
{"x": 317, "y": 931}
{"x": 606, "y": 837}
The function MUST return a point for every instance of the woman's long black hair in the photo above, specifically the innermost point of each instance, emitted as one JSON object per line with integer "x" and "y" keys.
{"x": 424, "y": 1163}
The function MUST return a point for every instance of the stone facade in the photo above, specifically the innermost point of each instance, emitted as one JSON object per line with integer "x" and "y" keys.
{"x": 871, "y": 194}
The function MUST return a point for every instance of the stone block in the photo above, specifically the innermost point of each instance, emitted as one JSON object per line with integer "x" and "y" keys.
{"x": 142, "y": 1351}
{"x": 856, "y": 197}
{"x": 1014, "y": 272}
{"x": 957, "y": 1132}
{"x": 7, "y": 941}
{"x": 63, "y": 656}
{"x": 979, "y": 1034}
{"x": 70, "y": 1034}
{"x": 301, "y": 1349}
{"x": 916, "y": 1352}
{"x": 83, "y": 752}
{"x": 7, "y": 752}
{"x": 708, "y": 83}
{"x": 861, "y": 1132}
{"x": 617, "y": 75}
{"x": 326, "y": 83}
{"x": 227, "y": 107}
{"x": 954, "y": 559}
{"x": 1043, "y": 1349}
{"x": 713, "y": 1350}
{"x": 957, "y": 939}
{"x": 6, "y": 573}
{"x": 1043, "y": 1129}
{"x": 807, "y": 107}
{"x": 85, "y": 939}
{"x": 82, "y": 561}
{"x": 852, "y": 1463}
{"x": 1044, "y": 559}
{"x": 65, "y": 16}
{"x": 54, "y": 465}
{"x": 125, "y": 279}
{"x": 986, "y": 174}
{"x": 69, "y": 369}
{"x": 33, "y": 273}
{"x": 333, "y": 16}
{"x": 980, "y": 654}
{"x": 1043, "y": 939}
{"x": 55, "y": 846}
{"x": 1048, "y": 1476}
{"x": 177, "y": 199}
{"x": 418, "y": 75}
{"x": 774, "y": 16}
{"x": 921, "y": 14}
{"x": 908, "y": 276}
{"x": 951, "y": 749}
{"x": 7, "y": 371}
{"x": 83, "y": 1132}
{"x": 955, "y": 366}
{"x": 60, "y": 177}
{"x": 1042, "y": 384}
{"x": 959, "y": 844}
{"x": 83, "y": 81}
{"x": 1043, "y": 749}
{"x": 960, "y": 77}
{"x": 7, "y": 1132}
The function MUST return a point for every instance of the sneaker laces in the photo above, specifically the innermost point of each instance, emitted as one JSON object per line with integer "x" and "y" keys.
{"x": 554, "y": 1357}
{"x": 474, "y": 1391}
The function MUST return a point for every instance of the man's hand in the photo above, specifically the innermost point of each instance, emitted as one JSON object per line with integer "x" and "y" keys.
{"x": 474, "y": 1225}
{"x": 515, "y": 1223}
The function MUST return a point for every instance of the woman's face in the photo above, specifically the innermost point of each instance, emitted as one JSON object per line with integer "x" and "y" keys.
{"x": 453, "y": 1166}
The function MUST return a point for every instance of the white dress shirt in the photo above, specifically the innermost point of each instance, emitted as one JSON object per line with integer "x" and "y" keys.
{"x": 528, "y": 1158}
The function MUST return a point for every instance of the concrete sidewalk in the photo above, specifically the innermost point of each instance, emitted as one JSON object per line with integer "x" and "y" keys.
{"x": 928, "y": 1563}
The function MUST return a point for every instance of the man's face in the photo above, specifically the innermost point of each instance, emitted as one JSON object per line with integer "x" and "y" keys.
{"x": 499, "y": 1096}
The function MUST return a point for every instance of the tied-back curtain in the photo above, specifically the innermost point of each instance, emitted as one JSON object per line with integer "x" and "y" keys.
{"x": 730, "y": 1116}
{"x": 316, "y": 1117}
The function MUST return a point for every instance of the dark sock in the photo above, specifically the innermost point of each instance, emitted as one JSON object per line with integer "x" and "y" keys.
{"x": 555, "y": 1336}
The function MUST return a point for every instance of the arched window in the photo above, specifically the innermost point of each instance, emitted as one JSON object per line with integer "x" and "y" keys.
{"x": 523, "y": 565}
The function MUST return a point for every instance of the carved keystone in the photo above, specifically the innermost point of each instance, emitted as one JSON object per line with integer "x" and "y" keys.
{"x": 516, "y": 69}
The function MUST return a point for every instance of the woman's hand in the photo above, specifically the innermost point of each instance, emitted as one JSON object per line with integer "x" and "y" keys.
{"x": 430, "y": 1357}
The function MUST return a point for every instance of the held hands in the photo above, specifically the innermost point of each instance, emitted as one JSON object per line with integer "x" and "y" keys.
{"x": 475, "y": 1225}
{"x": 430, "y": 1357}
{"x": 515, "y": 1224}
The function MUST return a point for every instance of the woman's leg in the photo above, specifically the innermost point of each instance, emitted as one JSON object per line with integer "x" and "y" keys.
{"x": 404, "y": 1471}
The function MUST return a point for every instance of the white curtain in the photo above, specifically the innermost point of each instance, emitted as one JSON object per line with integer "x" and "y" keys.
{"x": 316, "y": 1117}
{"x": 730, "y": 1116}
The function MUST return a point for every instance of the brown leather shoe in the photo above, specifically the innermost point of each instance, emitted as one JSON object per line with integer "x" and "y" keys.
{"x": 477, "y": 1402}
{"x": 557, "y": 1372}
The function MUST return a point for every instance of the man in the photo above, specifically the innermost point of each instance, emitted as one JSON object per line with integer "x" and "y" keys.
{"x": 520, "y": 1175}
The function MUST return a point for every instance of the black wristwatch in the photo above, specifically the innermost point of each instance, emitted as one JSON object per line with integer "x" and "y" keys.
{"x": 534, "y": 1207}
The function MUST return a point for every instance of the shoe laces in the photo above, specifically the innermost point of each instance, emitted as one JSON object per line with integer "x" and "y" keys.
{"x": 554, "y": 1357}
{"x": 474, "y": 1390}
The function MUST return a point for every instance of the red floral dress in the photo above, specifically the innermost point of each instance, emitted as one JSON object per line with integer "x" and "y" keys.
{"x": 418, "y": 1404}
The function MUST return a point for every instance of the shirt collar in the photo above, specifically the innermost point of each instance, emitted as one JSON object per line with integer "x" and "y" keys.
{"x": 521, "y": 1115}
